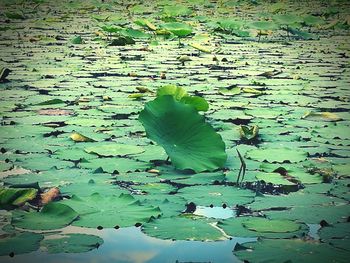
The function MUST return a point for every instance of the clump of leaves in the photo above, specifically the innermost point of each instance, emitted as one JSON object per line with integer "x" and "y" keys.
{"x": 172, "y": 120}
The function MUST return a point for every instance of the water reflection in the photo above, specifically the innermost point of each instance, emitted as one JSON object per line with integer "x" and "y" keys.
{"x": 130, "y": 245}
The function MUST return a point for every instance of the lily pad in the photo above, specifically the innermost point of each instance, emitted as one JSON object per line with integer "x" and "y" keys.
{"x": 262, "y": 227}
{"x": 21, "y": 243}
{"x": 114, "y": 149}
{"x": 123, "y": 210}
{"x": 190, "y": 142}
{"x": 191, "y": 229}
{"x": 51, "y": 216}
{"x": 294, "y": 250}
{"x": 216, "y": 195}
{"x": 279, "y": 155}
{"x": 178, "y": 29}
{"x": 72, "y": 243}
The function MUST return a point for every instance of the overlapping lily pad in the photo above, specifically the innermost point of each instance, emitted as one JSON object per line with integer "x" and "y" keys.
{"x": 51, "y": 216}
{"x": 123, "y": 210}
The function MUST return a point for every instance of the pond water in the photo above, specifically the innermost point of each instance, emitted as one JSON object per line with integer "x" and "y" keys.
{"x": 162, "y": 131}
{"x": 131, "y": 245}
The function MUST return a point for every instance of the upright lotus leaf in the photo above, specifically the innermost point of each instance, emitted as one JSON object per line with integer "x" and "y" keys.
{"x": 51, "y": 216}
{"x": 76, "y": 40}
{"x": 133, "y": 33}
{"x": 199, "y": 103}
{"x": 114, "y": 149}
{"x": 16, "y": 196}
{"x": 72, "y": 243}
{"x": 123, "y": 210}
{"x": 20, "y": 243}
{"x": 190, "y": 142}
{"x": 248, "y": 133}
{"x": 182, "y": 228}
{"x": 145, "y": 23}
{"x": 263, "y": 25}
{"x": 180, "y": 94}
{"x": 290, "y": 250}
{"x": 178, "y": 29}
{"x": 177, "y": 92}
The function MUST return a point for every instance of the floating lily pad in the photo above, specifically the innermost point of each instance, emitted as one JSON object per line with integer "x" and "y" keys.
{"x": 114, "y": 165}
{"x": 191, "y": 229}
{"x": 123, "y": 210}
{"x": 278, "y": 155}
{"x": 189, "y": 141}
{"x": 51, "y": 216}
{"x": 216, "y": 195}
{"x": 294, "y": 250}
{"x": 20, "y": 243}
{"x": 114, "y": 149}
{"x": 262, "y": 227}
{"x": 72, "y": 243}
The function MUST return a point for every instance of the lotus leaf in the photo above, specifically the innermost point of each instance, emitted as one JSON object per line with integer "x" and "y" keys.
{"x": 114, "y": 149}
{"x": 262, "y": 227}
{"x": 190, "y": 142}
{"x": 51, "y": 216}
{"x": 180, "y": 94}
{"x": 72, "y": 243}
{"x": 278, "y": 155}
{"x": 20, "y": 243}
{"x": 294, "y": 250}
{"x": 191, "y": 229}
{"x": 178, "y": 29}
{"x": 123, "y": 210}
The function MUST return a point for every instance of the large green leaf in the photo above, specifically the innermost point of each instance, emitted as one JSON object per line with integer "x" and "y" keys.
{"x": 20, "y": 243}
{"x": 123, "y": 210}
{"x": 190, "y": 229}
{"x": 190, "y": 142}
{"x": 72, "y": 243}
{"x": 178, "y": 29}
{"x": 16, "y": 196}
{"x": 180, "y": 94}
{"x": 51, "y": 216}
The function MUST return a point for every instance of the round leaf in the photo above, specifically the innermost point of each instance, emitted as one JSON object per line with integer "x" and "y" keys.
{"x": 191, "y": 229}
